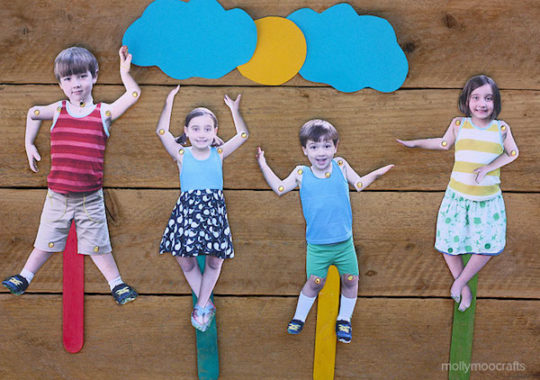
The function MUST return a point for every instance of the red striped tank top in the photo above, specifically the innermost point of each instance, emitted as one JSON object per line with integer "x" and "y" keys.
{"x": 77, "y": 152}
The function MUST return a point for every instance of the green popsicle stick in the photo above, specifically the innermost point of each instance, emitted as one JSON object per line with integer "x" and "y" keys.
{"x": 462, "y": 335}
{"x": 207, "y": 346}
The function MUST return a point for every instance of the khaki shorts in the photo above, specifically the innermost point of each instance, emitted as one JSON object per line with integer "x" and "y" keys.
{"x": 88, "y": 211}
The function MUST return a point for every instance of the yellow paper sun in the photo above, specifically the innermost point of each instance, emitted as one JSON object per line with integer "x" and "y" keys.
{"x": 280, "y": 52}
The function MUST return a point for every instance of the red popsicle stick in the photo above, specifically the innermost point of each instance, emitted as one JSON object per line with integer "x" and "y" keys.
{"x": 73, "y": 295}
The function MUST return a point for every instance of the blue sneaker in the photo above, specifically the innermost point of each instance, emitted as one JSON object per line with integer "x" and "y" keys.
{"x": 123, "y": 293}
{"x": 295, "y": 326}
{"x": 344, "y": 331}
{"x": 16, "y": 284}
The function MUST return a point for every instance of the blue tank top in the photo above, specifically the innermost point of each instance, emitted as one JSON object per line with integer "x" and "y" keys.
{"x": 326, "y": 206}
{"x": 201, "y": 174}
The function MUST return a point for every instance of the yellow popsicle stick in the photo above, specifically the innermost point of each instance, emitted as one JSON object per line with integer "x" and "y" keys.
{"x": 325, "y": 335}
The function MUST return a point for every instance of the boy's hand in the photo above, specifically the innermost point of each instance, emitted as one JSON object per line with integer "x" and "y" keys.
{"x": 406, "y": 143}
{"x": 260, "y": 156}
{"x": 33, "y": 156}
{"x": 234, "y": 105}
{"x": 384, "y": 169}
{"x": 125, "y": 59}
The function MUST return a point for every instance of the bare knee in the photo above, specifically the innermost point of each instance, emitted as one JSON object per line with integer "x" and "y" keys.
{"x": 315, "y": 283}
{"x": 187, "y": 263}
{"x": 213, "y": 263}
{"x": 349, "y": 281}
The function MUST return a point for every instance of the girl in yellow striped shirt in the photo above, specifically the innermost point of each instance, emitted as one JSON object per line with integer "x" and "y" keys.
{"x": 472, "y": 216}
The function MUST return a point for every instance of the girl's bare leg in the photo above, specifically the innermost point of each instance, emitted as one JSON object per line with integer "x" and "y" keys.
{"x": 474, "y": 265}
{"x": 455, "y": 264}
{"x": 191, "y": 270}
{"x": 210, "y": 276}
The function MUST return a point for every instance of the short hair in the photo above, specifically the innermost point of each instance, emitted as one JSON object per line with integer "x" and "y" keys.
{"x": 471, "y": 85}
{"x": 317, "y": 129}
{"x": 75, "y": 60}
{"x": 199, "y": 111}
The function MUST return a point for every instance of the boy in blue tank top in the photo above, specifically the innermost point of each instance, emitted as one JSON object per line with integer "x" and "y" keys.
{"x": 324, "y": 194}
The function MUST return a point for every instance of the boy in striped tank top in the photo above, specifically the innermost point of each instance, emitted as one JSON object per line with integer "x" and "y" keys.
{"x": 324, "y": 194}
{"x": 79, "y": 135}
{"x": 472, "y": 218}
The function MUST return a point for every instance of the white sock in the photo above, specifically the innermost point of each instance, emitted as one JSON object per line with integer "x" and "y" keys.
{"x": 303, "y": 307}
{"x": 116, "y": 281}
{"x": 346, "y": 308}
{"x": 28, "y": 275}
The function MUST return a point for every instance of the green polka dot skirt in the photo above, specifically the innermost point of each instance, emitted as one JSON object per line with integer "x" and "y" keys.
{"x": 467, "y": 226}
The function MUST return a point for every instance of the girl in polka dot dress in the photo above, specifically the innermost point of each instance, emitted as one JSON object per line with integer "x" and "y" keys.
{"x": 198, "y": 224}
{"x": 472, "y": 216}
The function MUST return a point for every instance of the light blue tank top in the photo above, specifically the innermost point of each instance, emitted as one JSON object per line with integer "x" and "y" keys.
{"x": 326, "y": 206}
{"x": 201, "y": 174}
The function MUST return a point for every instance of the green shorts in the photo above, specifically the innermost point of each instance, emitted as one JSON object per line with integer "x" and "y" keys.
{"x": 321, "y": 256}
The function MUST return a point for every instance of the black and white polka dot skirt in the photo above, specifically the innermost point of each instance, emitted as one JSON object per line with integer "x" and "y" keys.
{"x": 198, "y": 226}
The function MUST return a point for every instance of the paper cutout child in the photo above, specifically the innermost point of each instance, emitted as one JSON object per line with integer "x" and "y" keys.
{"x": 78, "y": 139}
{"x": 198, "y": 224}
{"x": 472, "y": 216}
{"x": 324, "y": 193}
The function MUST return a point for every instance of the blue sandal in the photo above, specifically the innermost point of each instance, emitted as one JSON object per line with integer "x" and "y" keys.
{"x": 197, "y": 311}
{"x": 209, "y": 310}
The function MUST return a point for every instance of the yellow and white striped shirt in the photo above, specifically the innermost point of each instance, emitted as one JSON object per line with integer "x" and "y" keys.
{"x": 476, "y": 147}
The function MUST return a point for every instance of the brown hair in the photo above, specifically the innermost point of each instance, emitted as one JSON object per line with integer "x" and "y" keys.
{"x": 317, "y": 129}
{"x": 199, "y": 111}
{"x": 471, "y": 85}
{"x": 75, "y": 60}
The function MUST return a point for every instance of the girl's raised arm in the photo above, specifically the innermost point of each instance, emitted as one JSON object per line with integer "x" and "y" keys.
{"x": 241, "y": 128}
{"x": 162, "y": 130}
{"x": 439, "y": 143}
{"x": 280, "y": 187}
{"x": 360, "y": 183}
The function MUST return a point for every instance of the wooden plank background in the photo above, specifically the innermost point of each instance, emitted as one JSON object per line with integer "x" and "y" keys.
{"x": 403, "y": 318}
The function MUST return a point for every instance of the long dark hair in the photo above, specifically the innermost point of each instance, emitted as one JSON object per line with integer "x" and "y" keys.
{"x": 199, "y": 111}
{"x": 471, "y": 85}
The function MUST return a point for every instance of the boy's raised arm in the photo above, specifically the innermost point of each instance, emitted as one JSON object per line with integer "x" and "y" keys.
{"x": 133, "y": 91}
{"x": 279, "y": 186}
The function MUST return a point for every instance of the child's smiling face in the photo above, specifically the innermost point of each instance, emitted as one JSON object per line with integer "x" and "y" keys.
{"x": 481, "y": 102}
{"x": 78, "y": 87}
{"x": 320, "y": 153}
{"x": 201, "y": 131}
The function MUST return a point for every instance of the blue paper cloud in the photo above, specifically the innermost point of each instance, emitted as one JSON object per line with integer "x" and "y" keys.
{"x": 194, "y": 39}
{"x": 350, "y": 52}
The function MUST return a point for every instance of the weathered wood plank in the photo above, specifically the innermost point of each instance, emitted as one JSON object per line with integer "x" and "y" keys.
{"x": 445, "y": 42}
{"x": 368, "y": 123}
{"x": 394, "y": 236}
{"x": 152, "y": 338}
